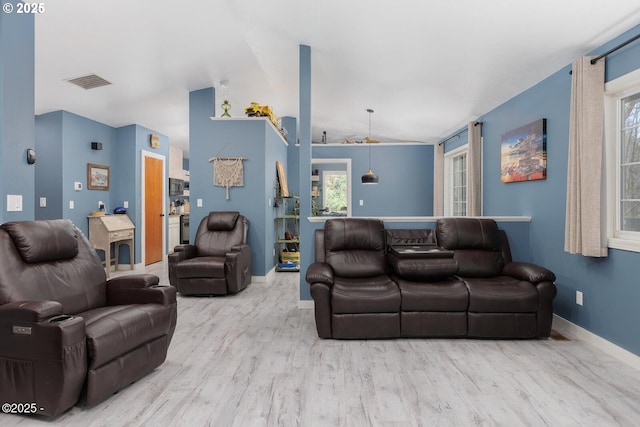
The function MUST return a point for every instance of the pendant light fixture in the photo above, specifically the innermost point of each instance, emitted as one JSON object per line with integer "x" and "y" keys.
{"x": 369, "y": 177}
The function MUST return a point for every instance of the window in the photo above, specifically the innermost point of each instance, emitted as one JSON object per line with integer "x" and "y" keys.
{"x": 455, "y": 182}
{"x": 334, "y": 191}
{"x": 622, "y": 122}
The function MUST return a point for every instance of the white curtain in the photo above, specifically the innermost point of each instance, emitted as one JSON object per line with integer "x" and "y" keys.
{"x": 474, "y": 169}
{"x": 438, "y": 180}
{"x": 584, "y": 216}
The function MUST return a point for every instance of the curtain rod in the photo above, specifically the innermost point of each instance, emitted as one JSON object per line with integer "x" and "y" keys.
{"x": 610, "y": 51}
{"x": 458, "y": 134}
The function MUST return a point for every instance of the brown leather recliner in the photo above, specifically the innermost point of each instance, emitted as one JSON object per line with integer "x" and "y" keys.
{"x": 354, "y": 296}
{"x": 68, "y": 335}
{"x": 219, "y": 261}
{"x": 507, "y": 299}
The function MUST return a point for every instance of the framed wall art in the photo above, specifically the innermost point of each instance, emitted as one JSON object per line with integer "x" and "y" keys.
{"x": 282, "y": 179}
{"x": 97, "y": 177}
{"x": 524, "y": 153}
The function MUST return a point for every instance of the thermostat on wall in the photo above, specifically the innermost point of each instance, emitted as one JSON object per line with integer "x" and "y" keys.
{"x": 77, "y": 186}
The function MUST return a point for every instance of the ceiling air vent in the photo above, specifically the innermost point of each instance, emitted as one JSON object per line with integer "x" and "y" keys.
{"x": 90, "y": 81}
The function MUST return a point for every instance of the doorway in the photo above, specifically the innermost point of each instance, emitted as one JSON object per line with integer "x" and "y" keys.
{"x": 153, "y": 207}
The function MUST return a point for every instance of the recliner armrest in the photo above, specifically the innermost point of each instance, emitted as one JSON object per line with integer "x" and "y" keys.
{"x": 29, "y": 311}
{"x": 238, "y": 248}
{"x": 182, "y": 252}
{"x": 319, "y": 272}
{"x": 529, "y": 272}
{"x": 139, "y": 289}
{"x": 43, "y": 355}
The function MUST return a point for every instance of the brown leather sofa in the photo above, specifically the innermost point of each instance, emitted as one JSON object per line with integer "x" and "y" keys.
{"x": 219, "y": 261}
{"x": 67, "y": 334}
{"x": 468, "y": 286}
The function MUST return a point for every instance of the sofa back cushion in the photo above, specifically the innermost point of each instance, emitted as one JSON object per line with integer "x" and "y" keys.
{"x": 476, "y": 243}
{"x": 219, "y": 231}
{"x": 50, "y": 260}
{"x": 354, "y": 247}
{"x": 415, "y": 236}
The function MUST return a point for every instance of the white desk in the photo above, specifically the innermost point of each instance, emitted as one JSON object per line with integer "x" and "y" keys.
{"x": 108, "y": 229}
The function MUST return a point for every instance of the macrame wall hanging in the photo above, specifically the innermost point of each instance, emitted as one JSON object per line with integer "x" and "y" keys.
{"x": 228, "y": 171}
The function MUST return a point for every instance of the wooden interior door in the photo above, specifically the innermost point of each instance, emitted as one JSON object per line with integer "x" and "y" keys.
{"x": 153, "y": 213}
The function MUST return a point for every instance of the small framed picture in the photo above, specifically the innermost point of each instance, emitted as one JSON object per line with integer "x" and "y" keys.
{"x": 97, "y": 177}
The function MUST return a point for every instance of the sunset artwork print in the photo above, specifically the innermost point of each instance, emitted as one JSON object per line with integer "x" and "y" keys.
{"x": 524, "y": 153}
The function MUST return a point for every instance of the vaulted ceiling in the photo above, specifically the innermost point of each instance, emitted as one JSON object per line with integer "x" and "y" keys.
{"x": 425, "y": 67}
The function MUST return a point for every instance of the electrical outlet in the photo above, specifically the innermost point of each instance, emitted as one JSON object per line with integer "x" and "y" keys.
{"x": 71, "y": 204}
{"x": 361, "y": 202}
{"x": 100, "y": 205}
{"x": 43, "y": 202}
{"x": 125, "y": 204}
{"x": 199, "y": 203}
{"x": 579, "y": 298}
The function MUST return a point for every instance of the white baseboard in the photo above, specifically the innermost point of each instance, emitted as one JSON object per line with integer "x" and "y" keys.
{"x": 127, "y": 267}
{"x": 266, "y": 278}
{"x": 573, "y": 331}
{"x": 305, "y": 304}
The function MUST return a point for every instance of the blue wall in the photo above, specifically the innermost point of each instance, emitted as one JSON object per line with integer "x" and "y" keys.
{"x": 64, "y": 140}
{"x": 261, "y": 145}
{"x": 610, "y": 285}
{"x": 48, "y": 174}
{"x": 17, "y": 130}
{"x": 127, "y": 181}
{"x": 290, "y": 124}
{"x": 405, "y": 172}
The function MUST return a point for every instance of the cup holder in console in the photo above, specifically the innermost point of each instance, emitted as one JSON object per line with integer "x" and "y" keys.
{"x": 60, "y": 318}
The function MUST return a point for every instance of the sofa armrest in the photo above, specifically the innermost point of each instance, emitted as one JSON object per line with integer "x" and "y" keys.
{"x": 530, "y": 272}
{"x": 29, "y": 311}
{"x": 238, "y": 267}
{"x": 320, "y": 278}
{"x": 319, "y": 272}
{"x": 139, "y": 289}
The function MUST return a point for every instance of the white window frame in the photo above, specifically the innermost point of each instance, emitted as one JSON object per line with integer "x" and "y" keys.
{"x": 448, "y": 178}
{"x": 615, "y": 91}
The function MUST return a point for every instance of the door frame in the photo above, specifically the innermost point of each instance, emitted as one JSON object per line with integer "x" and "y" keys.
{"x": 143, "y": 155}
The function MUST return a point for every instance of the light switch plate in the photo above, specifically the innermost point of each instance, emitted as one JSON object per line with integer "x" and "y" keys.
{"x": 71, "y": 204}
{"x": 43, "y": 202}
{"x": 199, "y": 203}
{"x": 14, "y": 202}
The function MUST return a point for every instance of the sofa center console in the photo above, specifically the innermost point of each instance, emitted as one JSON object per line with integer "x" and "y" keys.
{"x": 420, "y": 251}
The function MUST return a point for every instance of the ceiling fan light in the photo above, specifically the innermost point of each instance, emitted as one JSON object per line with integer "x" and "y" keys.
{"x": 369, "y": 177}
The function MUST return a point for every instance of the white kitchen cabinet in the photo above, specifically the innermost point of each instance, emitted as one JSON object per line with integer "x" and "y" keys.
{"x": 174, "y": 232}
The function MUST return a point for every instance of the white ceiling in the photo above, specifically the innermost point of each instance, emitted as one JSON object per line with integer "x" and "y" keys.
{"x": 425, "y": 67}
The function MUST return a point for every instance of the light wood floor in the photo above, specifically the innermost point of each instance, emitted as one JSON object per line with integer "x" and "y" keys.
{"x": 254, "y": 359}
